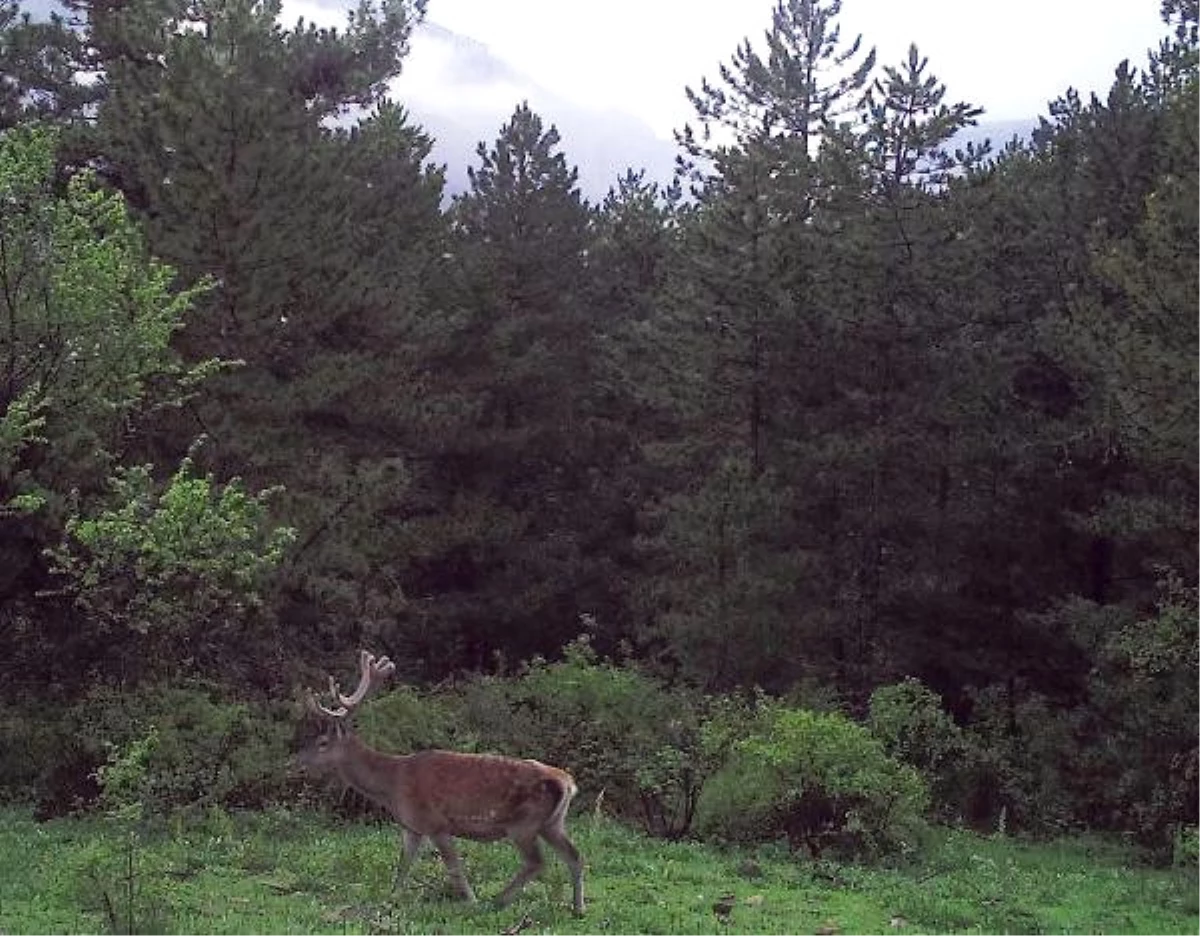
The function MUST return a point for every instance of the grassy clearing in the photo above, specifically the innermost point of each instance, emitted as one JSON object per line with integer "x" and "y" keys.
{"x": 301, "y": 872}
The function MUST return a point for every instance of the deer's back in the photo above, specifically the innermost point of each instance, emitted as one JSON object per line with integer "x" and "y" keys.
{"x": 479, "y": 796}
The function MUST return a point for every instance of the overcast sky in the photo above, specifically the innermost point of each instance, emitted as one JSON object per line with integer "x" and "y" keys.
{"x": 636, "y": 56}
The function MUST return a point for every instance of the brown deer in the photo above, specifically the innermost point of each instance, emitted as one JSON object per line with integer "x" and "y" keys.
{"x": 441, "y": 795}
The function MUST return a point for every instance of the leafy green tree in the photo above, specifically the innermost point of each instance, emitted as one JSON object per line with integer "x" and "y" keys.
{"x": 86, "y": 357}
{"x": 172, "y": 575}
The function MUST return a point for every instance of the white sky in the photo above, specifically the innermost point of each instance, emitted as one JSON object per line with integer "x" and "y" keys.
{"x": 1009, "y": 56}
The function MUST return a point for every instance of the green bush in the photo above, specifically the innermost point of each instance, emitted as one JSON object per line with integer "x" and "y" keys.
{"x": 206, "y": 750}
{"x": 1185, "y": 851}
{"x": 1143, "y": 699}
{"x": 32, "y": 740}
{"x": 630, "y": 742}
{"x": 914, "y": 728}
{"x": 1025, "y": 750}
{"x": 818, "y": 779}
{"x": 173, "y": 559}
{"x": 405, "y": 719}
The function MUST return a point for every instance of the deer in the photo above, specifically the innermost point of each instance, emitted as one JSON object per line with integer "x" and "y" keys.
{"x": 442, "y": 795}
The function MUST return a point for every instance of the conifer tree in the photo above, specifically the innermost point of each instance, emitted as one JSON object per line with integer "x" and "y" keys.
{"x": 807, "y": 81}
{"x": 889, "y": 323}
{"x": 740, "y": 321}
{"x": 218, "y": 124}
{"x": 39, "y": 60}
{"x": 515, "y": 509}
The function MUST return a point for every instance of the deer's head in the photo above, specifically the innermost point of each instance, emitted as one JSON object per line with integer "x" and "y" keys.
{"x": 336, "y": 742}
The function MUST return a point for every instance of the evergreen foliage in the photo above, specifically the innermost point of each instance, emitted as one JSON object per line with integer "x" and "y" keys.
{"x": 38, "y": 69}
{"x": 514, "y": 524}
{"x": 846, "y": 413}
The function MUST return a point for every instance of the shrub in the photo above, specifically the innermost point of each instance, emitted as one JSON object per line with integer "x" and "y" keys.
{"x": 1143, "y": 689}
{"x": 404, "y": 719}
{"x": 621, "y": 733}
{"x": 171, "y": 556}
{"x": 914, "y": 728}
{"x": 206, "y": 750}
{"x": 819, "y": 779}
{"x": 1023, "y": 748}
{"x": 1185, "y": 850}
{"x": 172, "y": 573}
{"x": 37, "y": 754}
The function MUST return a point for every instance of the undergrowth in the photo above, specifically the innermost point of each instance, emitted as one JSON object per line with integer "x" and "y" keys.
{"x": 299, "y": 872}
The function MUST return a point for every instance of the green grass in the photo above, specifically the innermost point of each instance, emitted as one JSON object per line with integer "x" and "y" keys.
{"x": 295, "y": 872}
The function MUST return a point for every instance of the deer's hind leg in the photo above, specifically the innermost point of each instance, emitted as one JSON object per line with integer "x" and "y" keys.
{"x": 557, "y": 839}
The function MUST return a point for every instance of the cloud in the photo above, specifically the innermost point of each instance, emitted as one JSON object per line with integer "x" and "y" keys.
{"x": 462, "y": 94}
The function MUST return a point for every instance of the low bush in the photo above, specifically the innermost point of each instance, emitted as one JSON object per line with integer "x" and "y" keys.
{"x": 1023, "y": 748}
{"x": 914, "y": 728}
{"x": 206, "y": 750}
{"x": 627, "y": 738}
{"x": 404, "y": 719}
{"x": 1185, "y": 847}
{"x": 41, "y": 760}
{"x": 818, "y": 779}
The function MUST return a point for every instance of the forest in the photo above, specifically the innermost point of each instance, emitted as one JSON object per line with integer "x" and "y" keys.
{"x": 845, "y": 483}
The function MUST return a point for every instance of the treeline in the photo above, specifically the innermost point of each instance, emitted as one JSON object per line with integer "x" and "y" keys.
{"x": 843, "y": 406}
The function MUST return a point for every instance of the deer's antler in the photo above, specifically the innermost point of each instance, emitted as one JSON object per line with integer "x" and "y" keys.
{"x": 373, "y": 671}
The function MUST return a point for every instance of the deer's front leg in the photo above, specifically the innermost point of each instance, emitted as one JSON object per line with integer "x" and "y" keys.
{"x": 454, "y": 869}
{"x": 412, "y": 847}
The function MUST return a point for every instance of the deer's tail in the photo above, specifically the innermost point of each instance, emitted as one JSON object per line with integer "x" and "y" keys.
{"x": 562, "y": 786}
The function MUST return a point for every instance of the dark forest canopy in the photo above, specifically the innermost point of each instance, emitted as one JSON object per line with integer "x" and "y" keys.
{"x": 844, "y": 405}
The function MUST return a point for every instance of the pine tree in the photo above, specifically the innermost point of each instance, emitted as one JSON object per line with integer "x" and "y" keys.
{"x": 38, "y": 64}
{"x": 889, "y": 325}
{"x": 514, "y": 509}
{"x": 750, "y": 248}
{"x": 739, "y": 328}
{"x": 806, "y": 82}
{"x": 218, "y": 124}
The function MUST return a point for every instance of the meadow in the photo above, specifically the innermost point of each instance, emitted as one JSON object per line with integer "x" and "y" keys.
{"x": 302, "y": 871}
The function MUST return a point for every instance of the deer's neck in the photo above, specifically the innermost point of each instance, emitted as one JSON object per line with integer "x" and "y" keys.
{"x": 371, "y": 773}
